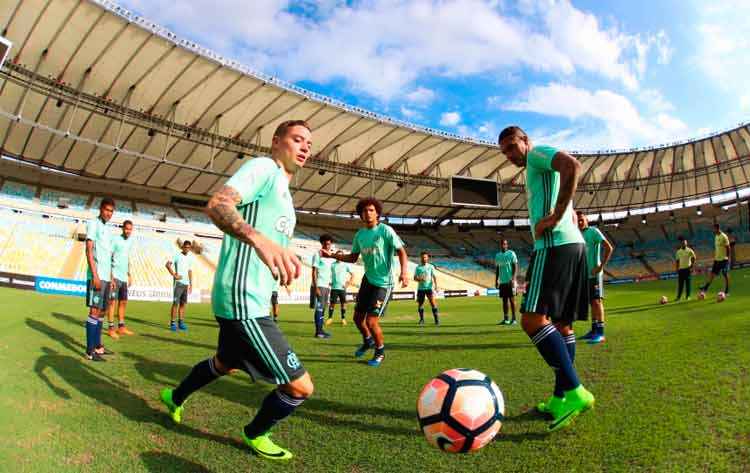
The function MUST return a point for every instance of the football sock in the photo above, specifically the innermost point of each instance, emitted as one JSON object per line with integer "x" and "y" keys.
{"x": 91, "y": 325}
{"x": 318, "y": 320}
{"x": 421, "y": 313}
{"x": 600, "y": 328}
{"x": 435, "y": 314}
{"x": 726, "y": 287}
{"x": 201, "y": 374}
{"x": 121, "y": 324}
{"x": 99, "y": 333}
{"x": 343, "y": 313}
{"x": 111, "y": 325}
{"x": 369, "y": 341}
{"x": 380, "y": 350}
{"x": 330, "y": 312}
{"x": 276, "y": 407}
{"x": 550, "y": 344}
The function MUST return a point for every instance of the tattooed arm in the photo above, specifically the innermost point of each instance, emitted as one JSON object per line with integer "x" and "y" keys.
{"x": 222, "y": 210}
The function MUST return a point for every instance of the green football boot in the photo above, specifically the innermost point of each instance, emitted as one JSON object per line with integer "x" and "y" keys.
{"x": 551, "y": 406}
{"x": 175, "y": 411}
{"x": 264, "y": 447}
{"x": 577, "y": 400}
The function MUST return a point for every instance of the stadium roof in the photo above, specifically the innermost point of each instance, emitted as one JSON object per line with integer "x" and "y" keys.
{"x": 93, "y": 89}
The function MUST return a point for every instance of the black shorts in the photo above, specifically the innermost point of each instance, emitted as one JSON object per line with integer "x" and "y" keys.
{"x": 557, "y": 283}
{"x": 596, "y": 287}
{"x": 275, "y": 298}
{"x": 338, "y": 295}
{"x": 720, "y": 267}
{"x": 506, "y": 290}
{"x": 257, "y": 347}
{"x": 422, "y": 293}
{"x": 120, "y": 290}
{"x": 180, "y": 294}
{"x": 325, "y": 294}
{"x": 98, "y": 299}
{"x": 372, "y": 300}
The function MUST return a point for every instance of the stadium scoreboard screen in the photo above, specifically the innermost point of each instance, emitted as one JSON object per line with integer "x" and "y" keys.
{"x": 474, "y": 192}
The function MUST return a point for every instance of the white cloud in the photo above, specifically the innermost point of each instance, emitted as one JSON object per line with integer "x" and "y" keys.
{"x": 450, "y": 118}
{"x": 723, "y": 45}
{"x": 654, "y": 101}
{"x": 382, "y": 47}
{"x": 602, "y": 119}
{"x": 745, "y": 103}
{"x": 420, "y": 96}
{"x": 410, "y": 114}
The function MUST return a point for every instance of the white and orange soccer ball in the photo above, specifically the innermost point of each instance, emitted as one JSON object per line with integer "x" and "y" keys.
{"x": 721, "y": 296}
{"x": 663, "y": 300}
{"x": 701, "y": 295}
{"x": 461, "y": 410}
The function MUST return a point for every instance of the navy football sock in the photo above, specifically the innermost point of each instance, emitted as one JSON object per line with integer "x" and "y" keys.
{"x": 421, "y": 313}
{"x": 553, "y": 349}
{"x": 99, "y": 333}
{"x": 330, "y": 312}
{"x": 343, "y": 313}
{"x": 91, "y": 326}
{"x": 201, "y": 374}
{"x": 435, "y": 313}
{"x": 276, "y": 407}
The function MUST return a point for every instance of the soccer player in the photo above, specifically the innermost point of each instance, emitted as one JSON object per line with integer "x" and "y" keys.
{"x": 595, "y": 262}
{"x": 321, "y": 279}
{"x": 683, "y": 264}
{"x": 99, "y": 273}
{"x": 376, "y": 242}
{"x": 557, "y": 289}
{"x": 255, "y": 210}
{"x": 424, "y": 274}
{"x": 181, "y": 269}
{"x": 506, "y": 263}
{"x": 120, "y": 280}
{"x": 341, "y": 278}
{"x": 721, "y": 259}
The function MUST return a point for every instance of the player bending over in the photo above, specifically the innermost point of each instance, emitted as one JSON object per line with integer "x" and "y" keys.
{"x": 557, "y": 292}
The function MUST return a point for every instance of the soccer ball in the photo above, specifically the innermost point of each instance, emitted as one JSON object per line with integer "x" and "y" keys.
{"x": 461, "y": 410}
{"x": 720, "y": 296}
{"x": 701, "y": 295}
{"x": 663, "y": 300}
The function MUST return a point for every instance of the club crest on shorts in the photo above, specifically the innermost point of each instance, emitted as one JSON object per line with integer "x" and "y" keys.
{"x": 292, "y": 361}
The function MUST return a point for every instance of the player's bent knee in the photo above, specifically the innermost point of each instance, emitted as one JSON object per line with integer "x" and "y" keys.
{"x": 220, "y": 367}
{"x": 301, "y": 387}
{"x": 530, "y": 323}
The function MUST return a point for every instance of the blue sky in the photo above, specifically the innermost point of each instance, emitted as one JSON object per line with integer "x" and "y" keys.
{"x": 581, "y": 75}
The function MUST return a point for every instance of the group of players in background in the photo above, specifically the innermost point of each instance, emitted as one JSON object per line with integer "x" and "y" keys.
{"x": 255, "y": 211}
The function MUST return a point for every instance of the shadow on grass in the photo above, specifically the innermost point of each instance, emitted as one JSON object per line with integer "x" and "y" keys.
{"x": 440, "y": 331}
{"x": 161, "y": 461}
{"x": 322, "y": 411}
{"x": 530, "y": 415}
{"x": 112, "y": 393}
{"x": 441, "y": 347}
{"x": 638, "y": 308}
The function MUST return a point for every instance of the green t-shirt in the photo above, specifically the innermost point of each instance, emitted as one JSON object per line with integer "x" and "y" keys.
{"x": 505, "y": 262}
{"x": 121, "y": 257}
{"x": 97, "y": 231}
{"x": 340, "y": 272}
{"x": 721, "y": 242}
{"x": 684, "y": 257}
{"x": 243, "y": 283}
{"x": 377, "y": 246}
{"x": 593, "y": 238}
{"x": 424, "y": 271}
{"x": 542, "y": 187}
{"x": 182, "y": 264}
{"x": 323, "y": 266}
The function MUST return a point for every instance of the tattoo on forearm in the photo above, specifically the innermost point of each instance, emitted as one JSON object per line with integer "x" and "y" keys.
{"x": 222, "y": 209}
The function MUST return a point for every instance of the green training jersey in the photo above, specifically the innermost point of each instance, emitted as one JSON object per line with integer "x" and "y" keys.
{"x": 542, "y": 187}
{"x": 685, "y": 257}
{"x": 97, "y": 231}
{"x": 181, "y": 265}
{"x": 323, "y": 267}
{"x": 121, "y": 257}
{"x": 340, "y": 272}
{"x": 243, "y": 283}
{"x": 505, "y": 262}
{"x": 423, "y": 274}
{"x": 593, "y": 238}
{"x": 377, "y": 246}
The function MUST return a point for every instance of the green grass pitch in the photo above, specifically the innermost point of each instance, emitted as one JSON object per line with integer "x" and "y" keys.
{"x": 671, "y": 384}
